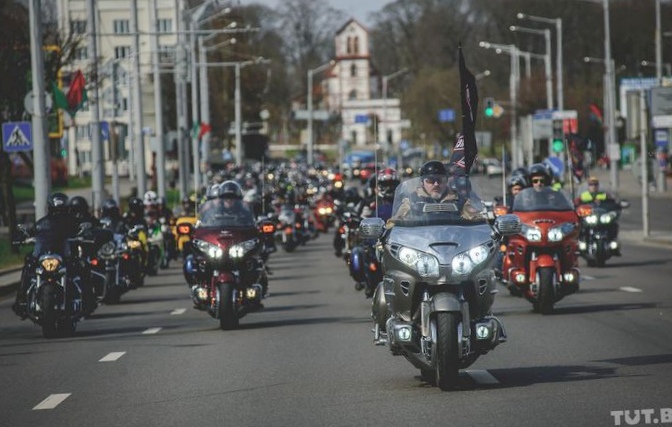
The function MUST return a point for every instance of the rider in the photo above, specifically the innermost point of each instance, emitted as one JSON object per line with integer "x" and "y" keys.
{"x": 110, "y": 212}
{"x": 226, "y": 200}
{"x": 593, "y": 195}
{"x": 387, "y": 181}
{"x": 517, "y": 183}
{"x": 189, "y": 206}
{"x": 539, "y": 176}
{"x": 438, "y": 187}
{"x": 79, "y": 209}
{"x": 52, "y": 231}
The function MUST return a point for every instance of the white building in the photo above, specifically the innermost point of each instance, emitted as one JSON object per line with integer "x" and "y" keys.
{"x": 115, "y": 49}
{"x": 354, "y": 90}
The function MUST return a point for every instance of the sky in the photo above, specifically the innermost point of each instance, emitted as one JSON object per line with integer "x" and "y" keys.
{"x": 358, "y": 9}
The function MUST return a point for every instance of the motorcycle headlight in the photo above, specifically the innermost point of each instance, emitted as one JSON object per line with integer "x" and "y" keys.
{"x": 239, "y": 250}
{"x": 533, "y": 234}
{"x": 464, "y": 262}
{"x": 50, "y": 264}
{"x": 107, "y": 250}
{"x": 556, "y": 234}
{"x": 591, "y": 219}
{"x": 328, "y": 210}
{"x": 134, "y": 244}
{"x": 322, "y": 211}
{"x": 607, "y": 217}
{"x": 425, "y": 264}
{"x": 212, "y": 251}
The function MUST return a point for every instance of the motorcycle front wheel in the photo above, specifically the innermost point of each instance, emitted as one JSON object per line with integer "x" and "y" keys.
{"x": 446, "y": 357}
{"x": 546, "y": 293}
{"x": 48, "y": 319}
{"x": 228, "y": 316}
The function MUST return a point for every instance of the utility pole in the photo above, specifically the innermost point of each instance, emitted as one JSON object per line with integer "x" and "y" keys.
{"x": 158, "y": 106}
{"x": 41, "y": 154}
{"x": 180, "y": 95}
{"x": 137, "y": 101}
{"x": 611, "y": 86}
{"x": 97, "y": 170}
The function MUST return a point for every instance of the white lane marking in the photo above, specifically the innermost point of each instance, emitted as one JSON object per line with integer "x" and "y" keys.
{"x": 151, "y": 331}
{"x": 587, "y": 278}
{"x": 630, "y": 289}
{"x": 482, "y": 377}
{"x": 178, "y": 311}
{"x": 52, "y": 401}
{"x": 112, "y": 357}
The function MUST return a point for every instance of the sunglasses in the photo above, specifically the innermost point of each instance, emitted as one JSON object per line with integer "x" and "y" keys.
{"x": 434, "y": 180}
{"x": 537, "y": 181}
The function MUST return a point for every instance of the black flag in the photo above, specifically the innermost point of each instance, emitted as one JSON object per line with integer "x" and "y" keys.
{"x": 465, "y": 149}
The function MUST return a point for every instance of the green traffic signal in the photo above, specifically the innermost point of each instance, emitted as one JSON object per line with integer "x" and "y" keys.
{"x": 558, "y": 146}
{"x": 489, "y": 111}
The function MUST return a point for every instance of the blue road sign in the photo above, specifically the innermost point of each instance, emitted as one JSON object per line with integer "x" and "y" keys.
{"x": 556, "y": 164}
{"x": 361, "y": 118}
{"x": 662, "y": 138}
{"x": 105, "y": 130}
{"x": 17, "y": 136}
{"x": 447, "y": 115}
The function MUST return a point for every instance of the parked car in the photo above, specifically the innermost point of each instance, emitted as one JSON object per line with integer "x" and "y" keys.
{"x": 492, "y": 167}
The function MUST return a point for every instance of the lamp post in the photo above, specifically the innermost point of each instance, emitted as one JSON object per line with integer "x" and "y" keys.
{"x": 386, "y": 80}
{"x": 310, "y": 106}
{"x": 667, "y": 65}
{"x": 558, "y": 61}
{"x": 514, "y": 77}
{"x": 547, "y": 59}
{"x": 158, "y": 106}
{"x": 659, "y": 49}
{"x": 482, "y": 75}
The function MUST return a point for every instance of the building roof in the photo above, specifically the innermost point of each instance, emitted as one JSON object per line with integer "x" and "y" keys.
{"x": 343, "y": 27}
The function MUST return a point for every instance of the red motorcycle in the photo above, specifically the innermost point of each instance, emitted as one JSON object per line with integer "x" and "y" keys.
{"x": 541, "y": 263}
{"x": 324, "y": 214}
{"x": 225, "y": 268}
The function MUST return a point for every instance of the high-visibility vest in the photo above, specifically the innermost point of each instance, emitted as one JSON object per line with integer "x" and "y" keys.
{"x": 587, "y": 196}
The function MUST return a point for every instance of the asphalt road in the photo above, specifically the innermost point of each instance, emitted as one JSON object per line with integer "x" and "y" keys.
{"x": 307, "y": 359}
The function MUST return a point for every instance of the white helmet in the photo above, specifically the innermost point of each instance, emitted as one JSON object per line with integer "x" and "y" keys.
{"x": 150, "y": 198}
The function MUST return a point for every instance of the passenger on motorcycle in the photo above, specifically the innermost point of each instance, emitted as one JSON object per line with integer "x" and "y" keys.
{"x": 51, "y": 233}
{"x": 228, "y": 202}
{"x": 380, "y": 205}
{"x": 517, "y": 184}
{"x": 188, "y": 206}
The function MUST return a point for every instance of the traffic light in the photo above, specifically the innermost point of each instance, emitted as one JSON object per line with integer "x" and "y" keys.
{"x": 558, "y": 142}
{"x": 489, "y": 107}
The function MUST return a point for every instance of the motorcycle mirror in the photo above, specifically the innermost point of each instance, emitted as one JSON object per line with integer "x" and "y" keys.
{"x": 508, "y": 225}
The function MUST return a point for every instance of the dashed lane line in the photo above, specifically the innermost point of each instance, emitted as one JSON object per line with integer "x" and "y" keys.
{"x": 151, "y": 331}
{"x": 630, "y": 289}
{"x": 52, "y": 401}
{"x": 112, "y": 357}
{"x": 482, "y": 377}
{"x": 178, "y": 311}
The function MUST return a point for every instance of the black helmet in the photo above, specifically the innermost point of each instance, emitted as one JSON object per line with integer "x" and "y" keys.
{"x": 110, "y": 208}
{"x": 522, "y": 172}
{"x": 57, "y": 203}
{"x": 136, "y": 206}
{"x": 79, "y": 206}
{"x": 230, "y": 190}
{"x": 518, "y": 180}
{"x": 351, "y": 195}
{"x": 540, "y": 170}
{"x": 432, "y": 167}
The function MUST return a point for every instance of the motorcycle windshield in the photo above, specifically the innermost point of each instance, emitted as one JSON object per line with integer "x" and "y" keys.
{"x": 50, "y": 243}
{"x": 543, "y": 199}
{"x": 440, "y": 200}
{"x": 225, "y": 214}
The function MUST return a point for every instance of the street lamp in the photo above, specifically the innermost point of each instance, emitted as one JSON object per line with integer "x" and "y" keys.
{"x": 667, "y": 65}
{"x": 482, "y": 75}
{"x": 310, "y": 106}
{"x": 547, "y": 59}
{"x": 386, "y": 80}
{"x": 514, "y": 77}
{"x": 559, "y": 67}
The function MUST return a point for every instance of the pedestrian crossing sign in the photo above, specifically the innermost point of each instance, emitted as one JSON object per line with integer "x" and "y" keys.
{"x": 17, "y": 136}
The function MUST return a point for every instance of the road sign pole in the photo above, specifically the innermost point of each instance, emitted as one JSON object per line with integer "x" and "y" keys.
{"x": 41, "y": 155}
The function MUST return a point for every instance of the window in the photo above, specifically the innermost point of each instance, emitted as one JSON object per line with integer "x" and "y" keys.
{"x": 166, "y": 53}
{"x": 124, "y": 104}
{"x": 78, "y": 27}
{"x": 353, "y": 70}
{"x": 356, "y": 47}
{"x": 353, "y": 94}
{"x": 353, "y": 137}
{"x": 81, "y": 54}
{"x": 165, "y": 25}
{"x": 349, "y": 45}
{"x": 121, "y": 52}
{"x": 121, "y": 26}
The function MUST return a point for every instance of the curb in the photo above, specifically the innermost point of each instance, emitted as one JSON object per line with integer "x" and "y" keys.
{"x": 654, "y": 238}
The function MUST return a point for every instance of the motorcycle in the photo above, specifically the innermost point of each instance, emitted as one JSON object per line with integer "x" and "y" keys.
{"x": 599, "y": 229}
{"x": 324, "y": 214}
{"x": 121, "y": 261}
{"x": 434, "y": 304}
{"x": 157, "y": 253}
{"x": 288, "y": 232}
{"x": 182, "y": 227}
{"x": 541, "y": 263}
{"x": 225, "y": 268}
{"x": 56, "y": 295}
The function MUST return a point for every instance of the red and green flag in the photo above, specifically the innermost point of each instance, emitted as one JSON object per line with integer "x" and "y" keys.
{"x": 76, "y": 96}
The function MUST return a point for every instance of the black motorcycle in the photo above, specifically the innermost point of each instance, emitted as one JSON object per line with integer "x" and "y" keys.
{"x": 56, "y": 295}
{"x": 599, "y": 231}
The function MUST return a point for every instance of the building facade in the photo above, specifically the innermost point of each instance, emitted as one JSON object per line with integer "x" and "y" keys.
{"x": 354, "y": 89}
